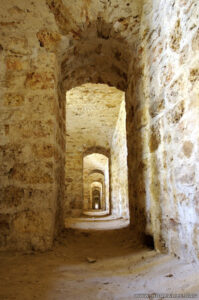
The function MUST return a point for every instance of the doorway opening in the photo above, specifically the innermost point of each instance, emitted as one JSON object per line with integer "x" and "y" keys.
{"x": 96, "y": 199}
{"x": 96, "y": 183}
{"x": 96, "y": 194}
{"x": 96, "y": 156}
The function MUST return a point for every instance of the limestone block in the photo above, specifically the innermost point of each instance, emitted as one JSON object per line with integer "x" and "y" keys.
{"x": 14, "y": 63}
{"x": 33, "y": 172}
{"x": 32, "y": 230}
{"x": 176, "y": 36}
{"x": 195, "y": 41}
{"x": 12, "y": 99}
{"x": 41, "y": 80}
{"x": 155, "y": 137}
{"x": 176, "y": 113}
{"x": 4, "y": 229}
{"x": 187, "y": 148}
{"x": 13, "y": 81}
{"x": 38, "y": 103}
{"x": 156, "y": 107}
{"x": 48, "y": 39}
{"x": 29, "y": 129}
{"x": 11, "y": 196}
{"x": 194, "y": 75}
{"x": 142, "y": 117}
{"x": 43, "y": 150}
{"x": 18, "y": 45}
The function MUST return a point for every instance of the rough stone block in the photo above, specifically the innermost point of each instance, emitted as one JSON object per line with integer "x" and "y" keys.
{"x": 176, "y": 113}
{"x": 156, "y": 107}
{"x": 29, "y": 129}
{"x": 12, "y": 99}
{"x": 48, "y": 39}
{"x": 42, "y": 80}
{"x": 155, "y": 137}
{"x": 187, "y": 148}
{"x": 14, "y": 63}
{"x": 176, "y": 36}
{"x": 33, "y": 172}
{"x": 11, "y": 196}
{"x": 33, "y": 230}
{"x": 5, "y": 229}
{"x": 18, "y": 45}
{"x": 43, "y": 150}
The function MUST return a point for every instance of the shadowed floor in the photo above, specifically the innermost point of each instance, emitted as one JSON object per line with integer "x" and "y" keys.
{"x": 94, "y": 265}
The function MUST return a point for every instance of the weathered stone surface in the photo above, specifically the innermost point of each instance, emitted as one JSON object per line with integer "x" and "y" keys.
{"x": 34, "y": 229}
{"x": 36, "y": 128}
{"x": 176, "y": 113}
{"x": 187, "y": 148}
{"x": 142, "y": 117}
{"x": 176, "y": 36}
{"x": 149, "y": 50}
{"x": 156, "y": 107}
{"x": 155, "y": 137}
{"x": 194, "y": 75}
{"x": 32, "y": 173}
{"x": 119, "y": 168}
{"x": 11, "y": 195}
{"x": 4, "y": 229}
{"x": 13, "y": 99}
{"x": 43, "y": 150}
{"x": 41, "y": 81}
{"x": 48, "y": 39}
{"x": 173, "y": 76}
{"x": 14, "y": 63}
{"x": 18, "y": 45}
{"x": 195, "y": 41}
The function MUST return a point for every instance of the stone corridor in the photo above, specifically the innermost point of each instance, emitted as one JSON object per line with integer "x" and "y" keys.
{"x": 99, "y": 148}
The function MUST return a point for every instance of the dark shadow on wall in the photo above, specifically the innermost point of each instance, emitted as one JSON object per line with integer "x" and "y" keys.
{"x": 137, "y": 165}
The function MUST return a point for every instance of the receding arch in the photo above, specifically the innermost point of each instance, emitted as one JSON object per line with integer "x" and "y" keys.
{"x": 97, "y": 149}
{"x": 119, "y": 73}
{"x": 96, "y": 194}
{"x": 96, "y": 59}
{"x": 90, "y": 63}
{"x": 95, "y": 169}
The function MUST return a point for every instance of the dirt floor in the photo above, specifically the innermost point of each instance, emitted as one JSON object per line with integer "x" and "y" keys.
{"x": 95, "y": 265}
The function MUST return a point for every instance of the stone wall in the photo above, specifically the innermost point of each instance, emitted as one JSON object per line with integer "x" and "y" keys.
{"x": 30, "y": 148}
{"x": 170, "y": 44}
{"x": 73, "y": 194}
{"x": 119, "y": 173}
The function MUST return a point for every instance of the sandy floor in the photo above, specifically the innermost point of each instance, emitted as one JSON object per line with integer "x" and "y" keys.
{"x": 97, "y": 223}
{"x": 122, "y": 269}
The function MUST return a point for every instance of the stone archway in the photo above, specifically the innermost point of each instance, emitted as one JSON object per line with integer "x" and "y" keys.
{"x": 114, "y": 73}
{"x": 95, "y": 173}
{"x": 97, "y": 186}
{"x": 96, "y": 199}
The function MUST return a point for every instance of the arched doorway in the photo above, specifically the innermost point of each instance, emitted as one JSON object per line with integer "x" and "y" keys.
{"x": 96, "y": 199}
{"x": 105, "y": 158}
{"x": 98, "y": 91}
{"x": 96, "y": 175}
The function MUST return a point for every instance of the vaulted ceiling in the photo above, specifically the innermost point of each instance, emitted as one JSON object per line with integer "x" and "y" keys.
{"x": 91, "y": 115}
